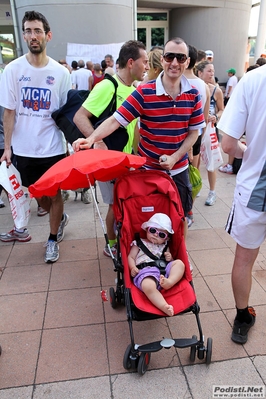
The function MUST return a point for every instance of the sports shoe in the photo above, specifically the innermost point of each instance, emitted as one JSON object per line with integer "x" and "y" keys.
{"x": 226, "y": 169}
{"x": 86, "y": 196}
{"x": 240, "y": 330}
{"x": 41, "y": 211}
{"x": 63, "y": 223}
{"x": 210, "y": 199}
{"x": 52, "y": 251}
{"x": 189, "y": 222}
{"x": 65, "y": 195}
{"x": 2, "y": 205}
{"x": 113, "y": 249}
{"x": 190, "y": 218}
{"x": 14, "y": 235}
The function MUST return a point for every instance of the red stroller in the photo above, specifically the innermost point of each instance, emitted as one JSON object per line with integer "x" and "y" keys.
{"x": 137, "y": 196}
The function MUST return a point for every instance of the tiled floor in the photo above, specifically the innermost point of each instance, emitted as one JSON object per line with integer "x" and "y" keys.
{"x": 60, "y": 341}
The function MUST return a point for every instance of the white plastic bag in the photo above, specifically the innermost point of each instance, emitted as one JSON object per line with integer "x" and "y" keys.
{"x": 210, "y": 149}
{"x": 19, "y": 204}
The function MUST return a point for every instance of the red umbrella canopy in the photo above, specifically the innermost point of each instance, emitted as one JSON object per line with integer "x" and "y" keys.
{"x": 77, "y": 170}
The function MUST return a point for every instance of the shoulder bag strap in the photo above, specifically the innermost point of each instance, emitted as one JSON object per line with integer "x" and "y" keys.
{"x": 142, "y": 246}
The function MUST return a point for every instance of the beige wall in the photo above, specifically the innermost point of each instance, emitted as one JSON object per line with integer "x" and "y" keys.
{"x": 87, "y": 22}
{"x": 222, "y": 30}
{"x": 221, "y": 26}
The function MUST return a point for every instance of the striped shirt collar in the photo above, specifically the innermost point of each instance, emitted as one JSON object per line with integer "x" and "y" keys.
{"x": 160, "y": 90}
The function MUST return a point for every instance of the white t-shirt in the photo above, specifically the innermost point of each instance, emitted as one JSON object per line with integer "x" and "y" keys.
{"x": 232, "y": 81}
{"x": 245, "y": 112}
{"x": 201, "y": 87}
{"x": 81, "y": 79}
{"x": 35, "y": 93}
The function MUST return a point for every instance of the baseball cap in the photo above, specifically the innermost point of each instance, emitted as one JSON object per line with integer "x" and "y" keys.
{"x": 209, "y": 53}
{"x": 231, "y": 70}
{"x": 159, "y": 220}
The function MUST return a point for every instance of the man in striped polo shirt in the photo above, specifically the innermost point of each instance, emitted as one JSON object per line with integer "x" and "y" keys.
{"x": 170, "y": 113}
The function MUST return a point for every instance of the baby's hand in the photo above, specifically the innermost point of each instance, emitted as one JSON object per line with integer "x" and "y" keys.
{"x": 168, "y": 256}
{"x": 134, "y": 271}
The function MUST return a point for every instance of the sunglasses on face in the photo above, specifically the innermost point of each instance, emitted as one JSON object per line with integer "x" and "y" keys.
{"x": 169, "y": 57}
{"x": 161, "y": 234}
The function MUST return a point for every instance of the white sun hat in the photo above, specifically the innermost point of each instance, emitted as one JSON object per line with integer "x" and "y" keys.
{"x": 159, "y": 220}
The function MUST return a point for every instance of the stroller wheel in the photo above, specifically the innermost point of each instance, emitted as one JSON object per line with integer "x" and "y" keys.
{"x": 209, "y": 351}
{"x": 127, "y": 362}
{"x": 112, "y": 297}
{"x": 144, "y": 361}
{"x": 193, "y": 350}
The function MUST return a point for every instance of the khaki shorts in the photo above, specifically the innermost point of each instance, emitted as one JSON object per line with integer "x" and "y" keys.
{"x": 246, "y": 226}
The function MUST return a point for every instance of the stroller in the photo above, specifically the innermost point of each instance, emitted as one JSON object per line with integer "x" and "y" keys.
{"x": 137, "y": 196}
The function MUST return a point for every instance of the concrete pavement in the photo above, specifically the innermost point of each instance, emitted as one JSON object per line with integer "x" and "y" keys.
{"x": 60, "y": 341}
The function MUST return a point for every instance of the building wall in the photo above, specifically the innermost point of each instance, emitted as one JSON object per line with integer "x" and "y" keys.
{"x": 221, "y": 26}
{"x": 223, "y": 30}
{"x": 84, "y": 22}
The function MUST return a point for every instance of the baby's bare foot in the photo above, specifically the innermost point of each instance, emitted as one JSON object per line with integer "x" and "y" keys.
{"x": 165, "y": 283}
{"x": 169, "y": 310}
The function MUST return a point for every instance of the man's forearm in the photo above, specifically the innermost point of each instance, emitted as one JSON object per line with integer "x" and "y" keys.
{"x": 232, "y": 146}
{"x": 105, "y": 129}
{"x": 8, "y": 125}
{"x": 187, "y": 144}
{"x": 83, "y": 124}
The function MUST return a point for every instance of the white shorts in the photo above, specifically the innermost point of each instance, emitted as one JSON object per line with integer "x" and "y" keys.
{"x": 246, "y": 226}
{"x": 107, "y": 191}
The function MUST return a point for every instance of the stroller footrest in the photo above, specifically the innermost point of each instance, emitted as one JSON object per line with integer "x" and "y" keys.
{"x": 185, "y": 342}
{"x": 151, "y": 347}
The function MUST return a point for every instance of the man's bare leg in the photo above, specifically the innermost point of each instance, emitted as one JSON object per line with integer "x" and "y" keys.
{"x": 242, "y": 274}
{"x": 54, "y": 205}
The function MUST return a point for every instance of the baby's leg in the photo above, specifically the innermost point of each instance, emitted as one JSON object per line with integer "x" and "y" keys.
{"x": 149, "y": 287}
{"x": 176, "y": 273}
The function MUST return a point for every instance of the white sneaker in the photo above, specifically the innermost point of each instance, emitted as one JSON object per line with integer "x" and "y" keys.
{"x": 2, "y": 205}
{"x": 52, "y": 251}
{"x": 226, "y": 169}
{"x": 63, "y": 223}
{"x": 211, "y": 198}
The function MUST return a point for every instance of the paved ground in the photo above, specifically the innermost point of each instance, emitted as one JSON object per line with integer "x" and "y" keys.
{"x": 60, "y": 341}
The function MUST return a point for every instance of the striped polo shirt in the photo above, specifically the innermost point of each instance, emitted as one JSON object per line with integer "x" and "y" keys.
{"x": 164, "y": 121}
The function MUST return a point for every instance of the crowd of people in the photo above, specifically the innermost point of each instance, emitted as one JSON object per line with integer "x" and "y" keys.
{"x": 165, "y": 99}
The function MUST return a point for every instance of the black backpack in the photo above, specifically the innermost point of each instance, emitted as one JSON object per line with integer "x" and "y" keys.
{"x": 63, "y": 118}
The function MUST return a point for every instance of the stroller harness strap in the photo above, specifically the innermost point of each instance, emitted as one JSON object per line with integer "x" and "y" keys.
{"x": 158, "y": 262}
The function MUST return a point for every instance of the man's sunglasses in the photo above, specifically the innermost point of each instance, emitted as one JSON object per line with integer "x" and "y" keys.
{"x": 161, "y": 234}
{"x": 169, "y": 57}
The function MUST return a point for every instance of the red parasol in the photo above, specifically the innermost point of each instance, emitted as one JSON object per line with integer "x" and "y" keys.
{"x": 81, "y": 169}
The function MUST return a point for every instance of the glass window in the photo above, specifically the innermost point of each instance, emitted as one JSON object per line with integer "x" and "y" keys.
{"x": 153, "y": 16}
{"x": 157, "y": 36}
{"x": 142, "y": 35}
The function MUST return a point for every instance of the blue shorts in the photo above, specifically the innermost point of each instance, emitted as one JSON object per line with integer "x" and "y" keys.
{"x": 185, "y": 190}
{"x": 151, "y": 271}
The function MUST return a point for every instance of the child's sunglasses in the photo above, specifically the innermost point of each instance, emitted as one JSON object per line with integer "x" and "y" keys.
{"x": 161, "y": 234}
{"x": 169, "y": 57}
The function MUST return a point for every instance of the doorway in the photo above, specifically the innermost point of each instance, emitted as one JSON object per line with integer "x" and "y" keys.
{"x": 152, "y": 28}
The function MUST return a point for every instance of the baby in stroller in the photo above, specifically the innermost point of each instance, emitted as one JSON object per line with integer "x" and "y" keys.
{"x": 151, "y": 263}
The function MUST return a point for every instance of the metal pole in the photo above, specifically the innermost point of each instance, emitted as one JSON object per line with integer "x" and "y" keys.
{"x": 135, "y": 21}
{"x": 16, "y": 30}
{"x": 261, "y": 34}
